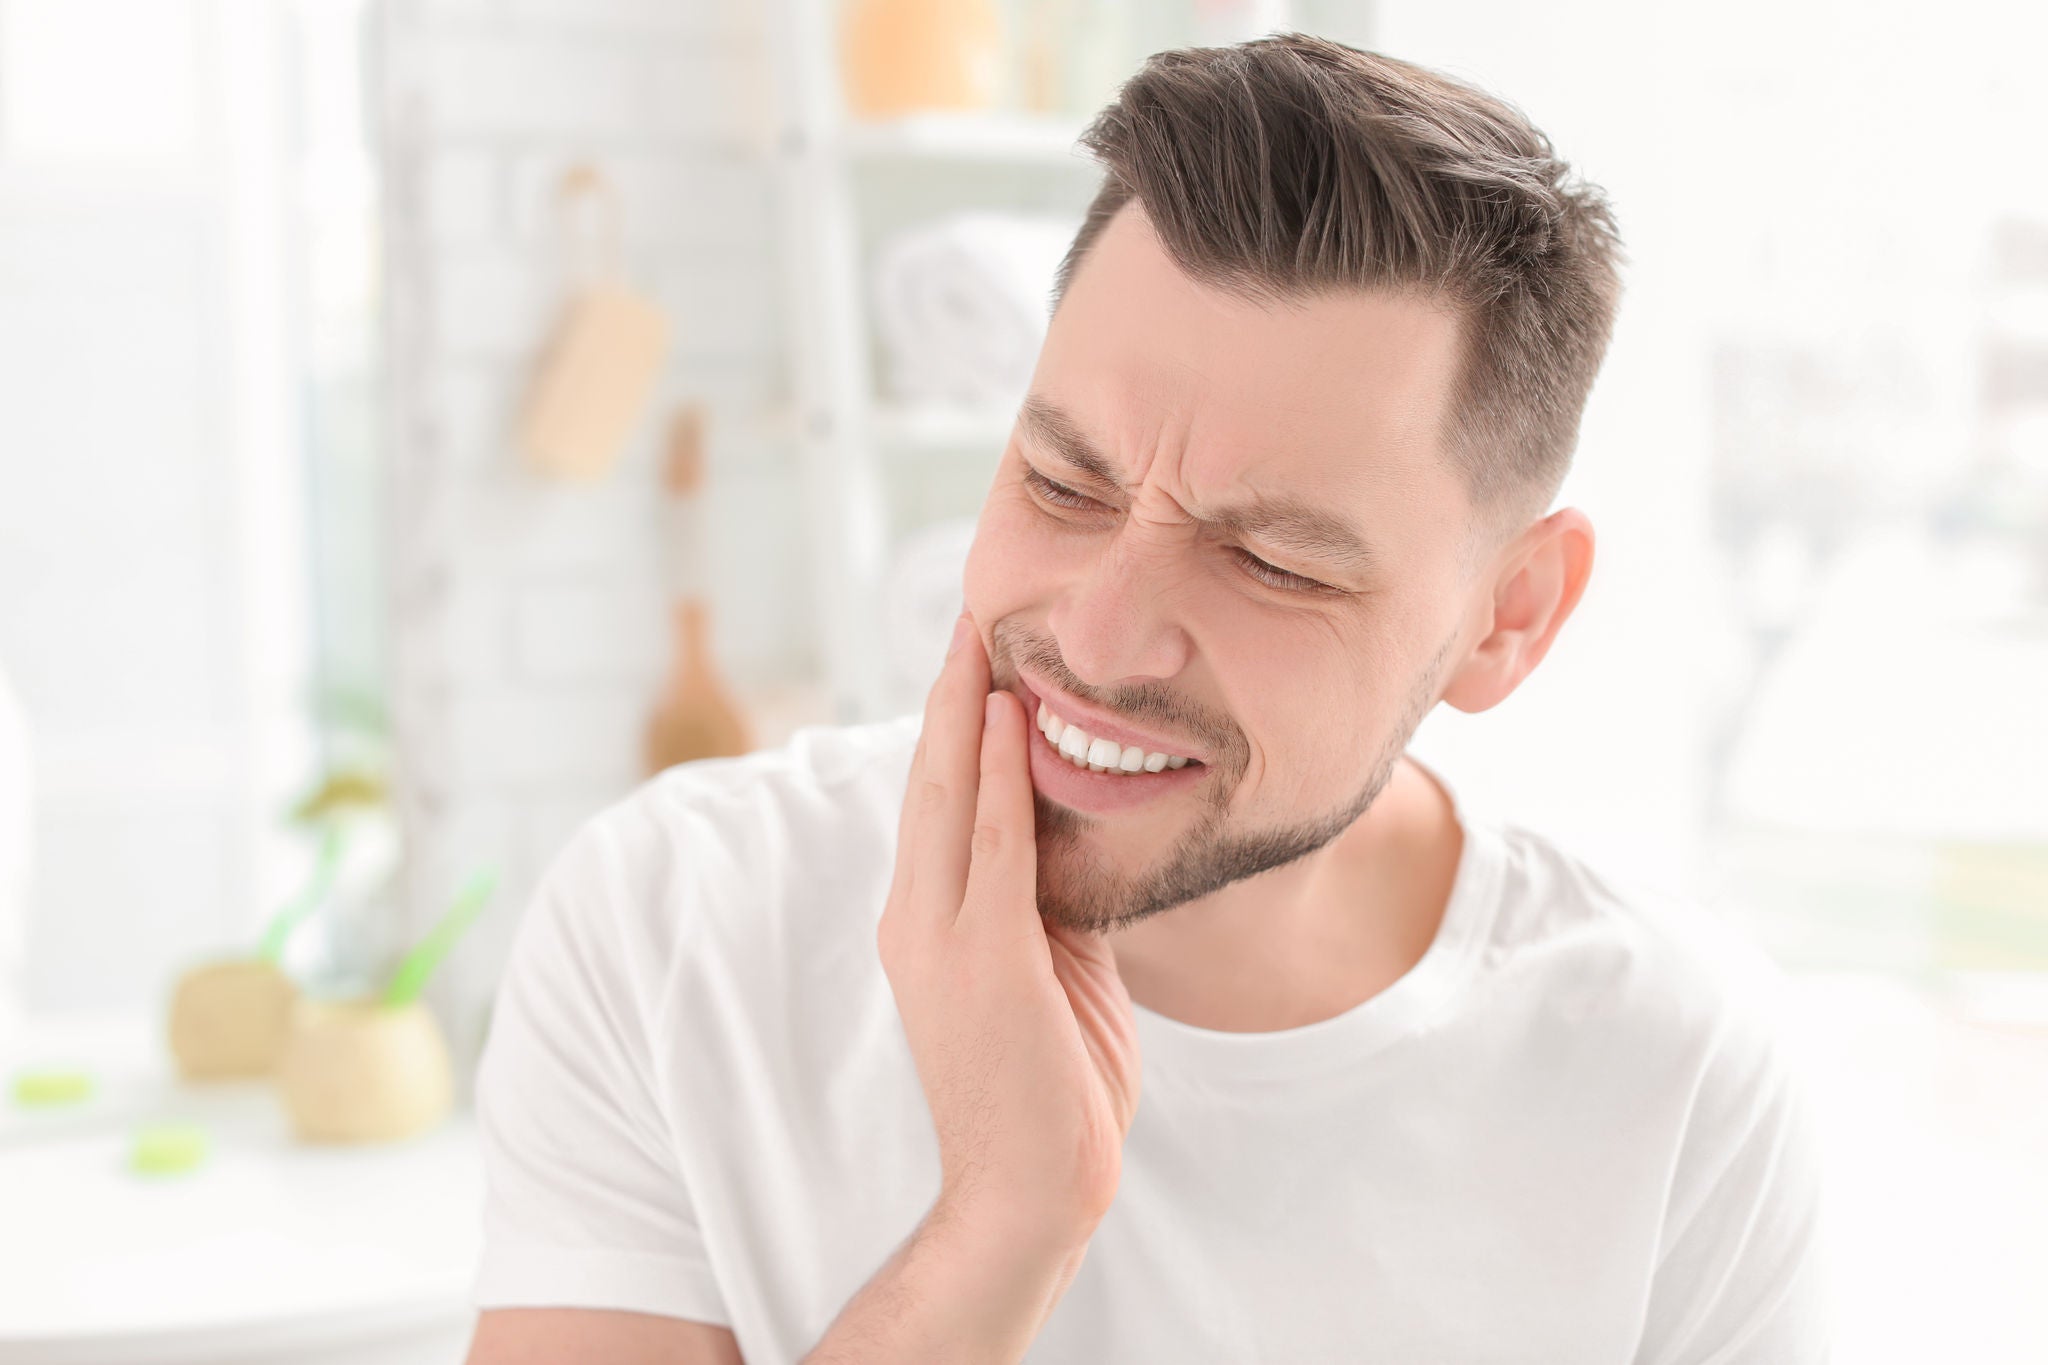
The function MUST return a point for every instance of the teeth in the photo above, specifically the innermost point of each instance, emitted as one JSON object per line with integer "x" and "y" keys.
{"x": 1074, "y": 744}
{"x": 1084, "y": 750}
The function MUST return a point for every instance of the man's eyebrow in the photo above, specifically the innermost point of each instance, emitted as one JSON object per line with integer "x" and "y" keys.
{"x": 1282, "y": 521}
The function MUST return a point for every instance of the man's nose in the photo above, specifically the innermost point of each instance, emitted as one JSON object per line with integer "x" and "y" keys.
{"x": 1118, "y": 618}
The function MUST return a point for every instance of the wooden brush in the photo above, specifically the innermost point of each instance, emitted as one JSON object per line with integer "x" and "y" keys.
{"x": 602, "y": 361}
{"x": 696, "y": 715}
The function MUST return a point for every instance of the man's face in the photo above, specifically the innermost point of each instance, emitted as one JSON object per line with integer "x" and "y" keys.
{"x": 1140, "y": 604}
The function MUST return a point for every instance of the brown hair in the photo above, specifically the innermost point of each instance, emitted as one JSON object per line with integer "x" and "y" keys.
{"x": 1293, "y": 165}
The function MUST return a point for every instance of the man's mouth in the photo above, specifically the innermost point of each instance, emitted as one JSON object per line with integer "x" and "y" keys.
{"x": 1098, "y": 754}
{"x": 1061, "y": 770}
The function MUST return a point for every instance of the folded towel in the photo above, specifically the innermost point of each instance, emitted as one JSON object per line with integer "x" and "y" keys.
{"x": 961, "y": 305}
{"x": 921, "y": 598}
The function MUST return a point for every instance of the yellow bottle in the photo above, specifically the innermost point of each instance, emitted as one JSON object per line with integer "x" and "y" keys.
{"x": 911, "y": 56}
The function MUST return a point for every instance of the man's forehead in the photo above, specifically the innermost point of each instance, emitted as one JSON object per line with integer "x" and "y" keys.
{"x": 1359, "y": 379}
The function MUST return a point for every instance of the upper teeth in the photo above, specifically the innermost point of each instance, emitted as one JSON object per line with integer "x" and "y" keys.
{"x": 1084, "y": 750}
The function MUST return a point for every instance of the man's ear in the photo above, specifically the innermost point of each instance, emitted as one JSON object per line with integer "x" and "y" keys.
{"x": 1537, "y": 581}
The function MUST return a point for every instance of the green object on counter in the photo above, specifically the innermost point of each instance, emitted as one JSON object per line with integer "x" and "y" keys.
{"x": 287, "y": 919}
{"x": 35, "y": 1089}
{"x": 168, "y": 1148}
{"x": 419, "y": 964}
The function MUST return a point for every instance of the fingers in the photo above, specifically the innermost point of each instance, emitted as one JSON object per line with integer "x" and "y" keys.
{"x": 906, "y": 822}
{"x": 1002, "y": 883}
{"x": 938, "y": 804}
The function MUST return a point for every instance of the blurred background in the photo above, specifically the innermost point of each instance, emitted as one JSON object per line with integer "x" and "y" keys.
{"x": 421, "y": 419}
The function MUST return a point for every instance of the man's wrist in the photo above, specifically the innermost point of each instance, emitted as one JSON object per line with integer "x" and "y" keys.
{"x": 1000, "y": 1233}
{"x": 1015, "y": 1268}
{"x": 969, "y": 1285}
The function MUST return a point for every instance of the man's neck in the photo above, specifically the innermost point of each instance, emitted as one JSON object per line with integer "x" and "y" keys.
{"x": 1310, "y": 940}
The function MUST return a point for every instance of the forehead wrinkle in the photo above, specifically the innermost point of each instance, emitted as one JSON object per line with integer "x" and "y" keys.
{"x": 1278, "y": 519}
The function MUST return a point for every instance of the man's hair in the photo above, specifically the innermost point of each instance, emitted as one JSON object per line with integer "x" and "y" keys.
{"x": 1292, "y": 166}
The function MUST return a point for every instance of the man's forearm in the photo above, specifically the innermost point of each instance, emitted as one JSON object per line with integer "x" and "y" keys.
{"x": 955, "y": 1290}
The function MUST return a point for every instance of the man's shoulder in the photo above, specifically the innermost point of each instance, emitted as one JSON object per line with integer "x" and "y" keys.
{"x": 812, "y": 758}
{"x": 1639, "y": 957}
{"x": 1694, "y": 1031}
{"x": 742, "y": 840}
{"x": 822, "y": 781}
{"x": 723, "y": 856}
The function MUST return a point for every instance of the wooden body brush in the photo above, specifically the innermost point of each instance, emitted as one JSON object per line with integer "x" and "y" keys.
{"x": 696, "y": 715}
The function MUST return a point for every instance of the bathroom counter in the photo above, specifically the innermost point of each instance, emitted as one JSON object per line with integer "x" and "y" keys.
{"x": 268, "y": 1250}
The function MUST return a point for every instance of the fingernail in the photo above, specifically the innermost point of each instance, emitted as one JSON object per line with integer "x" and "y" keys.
{"x": 988, "y": 710}
{"x": 960, "y": 629}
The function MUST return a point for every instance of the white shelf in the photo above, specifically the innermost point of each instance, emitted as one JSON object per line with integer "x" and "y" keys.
{"x": 996, "y": 137}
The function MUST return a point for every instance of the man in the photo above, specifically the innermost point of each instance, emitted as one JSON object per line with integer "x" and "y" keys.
{"x": 1140, "y": 999}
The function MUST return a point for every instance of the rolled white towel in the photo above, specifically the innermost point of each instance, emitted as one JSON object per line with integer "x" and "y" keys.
{"x": 961, "y": 304}
{"x": 921, "y": 597}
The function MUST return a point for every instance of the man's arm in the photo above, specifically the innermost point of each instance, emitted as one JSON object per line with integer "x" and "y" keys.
{"x": 1023, "y": 1036}
{"x": 955, "y": 1290}
{"x": 958, "y": 1289}
{"x": 557, "y": 1336}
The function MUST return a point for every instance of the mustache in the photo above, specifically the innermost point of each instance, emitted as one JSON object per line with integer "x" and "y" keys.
{"x": 1017, "y": 647}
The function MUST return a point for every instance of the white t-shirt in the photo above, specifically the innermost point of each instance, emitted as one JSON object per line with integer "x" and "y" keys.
{"x": 1567, "y": 1134}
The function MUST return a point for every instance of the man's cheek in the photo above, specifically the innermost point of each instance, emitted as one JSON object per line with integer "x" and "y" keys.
{"x": 1004, "y": 567}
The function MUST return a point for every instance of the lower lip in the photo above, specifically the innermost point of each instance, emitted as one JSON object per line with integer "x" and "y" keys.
{"x": 1086, "y": 790}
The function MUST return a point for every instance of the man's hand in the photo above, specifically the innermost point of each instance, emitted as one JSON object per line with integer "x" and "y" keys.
{"x": 1022, "y": 1033}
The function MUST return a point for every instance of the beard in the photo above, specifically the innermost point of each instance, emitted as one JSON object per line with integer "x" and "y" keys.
{"x": 1080, "y": 889}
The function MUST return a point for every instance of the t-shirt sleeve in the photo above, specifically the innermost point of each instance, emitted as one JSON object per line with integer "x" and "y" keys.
{"x": 1741, "y": 1274}
{"x": 585, "y": 1205}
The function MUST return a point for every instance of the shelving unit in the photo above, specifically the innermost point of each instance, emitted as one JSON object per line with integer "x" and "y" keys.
{"x": 851, "y": 442}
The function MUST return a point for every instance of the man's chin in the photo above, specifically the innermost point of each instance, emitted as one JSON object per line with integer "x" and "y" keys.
{"x": 1085, "y": 885}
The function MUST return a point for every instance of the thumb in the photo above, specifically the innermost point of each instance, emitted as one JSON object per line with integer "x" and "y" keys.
{"x": 1002, "y": 871}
